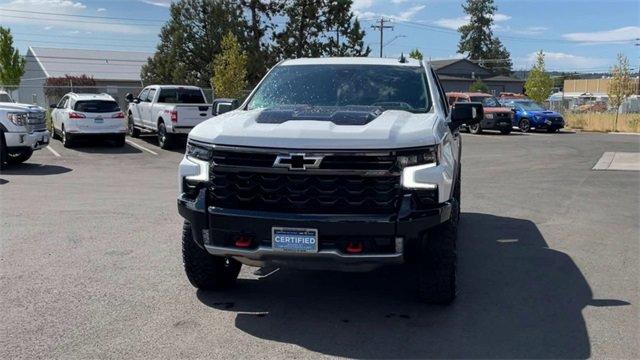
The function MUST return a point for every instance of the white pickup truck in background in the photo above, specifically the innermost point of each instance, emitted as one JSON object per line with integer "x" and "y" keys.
{"x": 167, "y": 110}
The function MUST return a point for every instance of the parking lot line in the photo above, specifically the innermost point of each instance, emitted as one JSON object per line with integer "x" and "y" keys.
{"x": 141, "y": 147}
{"x": 53, "y": 151}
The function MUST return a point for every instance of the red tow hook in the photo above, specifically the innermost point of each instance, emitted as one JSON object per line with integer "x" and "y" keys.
{"x": 354, "y": 248}
{"x": 243, "y": 241}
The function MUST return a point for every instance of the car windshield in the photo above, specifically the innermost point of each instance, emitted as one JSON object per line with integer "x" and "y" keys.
{"x": 181, "y": 96}
{"x": 389, "y": 87}
{"x": 97, "y": 106}
{"x": 488, "y": 101}
{"x": 530, "y": 106}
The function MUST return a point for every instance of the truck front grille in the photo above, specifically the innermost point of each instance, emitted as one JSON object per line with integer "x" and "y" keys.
{"x": 304, "y": 193}
{"x": 36, "y": 121}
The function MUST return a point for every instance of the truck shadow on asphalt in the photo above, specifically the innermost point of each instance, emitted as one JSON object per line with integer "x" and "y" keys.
{"x": 179, "y": 144}
{"x": 517, "y": 299}
{"x": 35, "y": 169}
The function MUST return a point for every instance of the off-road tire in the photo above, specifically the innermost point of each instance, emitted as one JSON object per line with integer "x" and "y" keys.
{"x": 475, "y": 129}
{"x": 19, "y": 157}
{"x": 133, "y": 131}
{"x": 505, "y": 131}
{"x": 3, "y": 151}
{"x": 437, "y": 264}
{"x": 119, "y": 140}
{"x": 165, "y": 140}
{"x": 206, "y": 271}
{"x": 524, "y": 125}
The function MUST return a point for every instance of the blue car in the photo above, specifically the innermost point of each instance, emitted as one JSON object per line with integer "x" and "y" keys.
{"x": 530, "y": 115}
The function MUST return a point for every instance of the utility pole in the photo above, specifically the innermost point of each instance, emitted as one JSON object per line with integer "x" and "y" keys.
{"x": 381, "y": 26}
{"x": 638, "y": 85}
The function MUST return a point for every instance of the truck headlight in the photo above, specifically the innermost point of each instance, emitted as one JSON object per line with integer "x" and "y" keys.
{"x": 201, "y": 174}
{"x": 199, "y": 155}
{"x": 418, "y": 157}
{"x": 197, "y": 151}
{"x": 18, "y": 118}
{"x": 488, "y": 116}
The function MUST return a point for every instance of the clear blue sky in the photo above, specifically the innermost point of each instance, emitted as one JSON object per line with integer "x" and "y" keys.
{"x": 577, "y": 35}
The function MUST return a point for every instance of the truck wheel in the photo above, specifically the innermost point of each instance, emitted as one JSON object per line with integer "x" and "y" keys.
{"x": 164, "y": 139}
{"x": 131, "y": 129}
{"x": 505, "y": 131}
{"x": 3, "y": 151}
{"x": 437, "y": 262}
{"x": 54, "y": 135}
{"x": 19, "y": 157}
{"x": 67, "y": 139}
{"x": 475, "y": 129}
{"x": 206, "y": 271}
{"x": 524, "y": 125}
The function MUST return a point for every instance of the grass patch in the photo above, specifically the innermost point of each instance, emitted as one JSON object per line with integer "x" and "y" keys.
{"x": 603, "y": 122}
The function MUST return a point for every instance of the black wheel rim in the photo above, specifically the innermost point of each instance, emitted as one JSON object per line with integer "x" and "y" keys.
{"x": 524, "y": 126}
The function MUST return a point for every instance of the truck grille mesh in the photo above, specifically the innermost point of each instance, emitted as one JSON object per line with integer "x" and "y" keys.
{"x": 36, "y": 121}
{"x": 304, "y": 193}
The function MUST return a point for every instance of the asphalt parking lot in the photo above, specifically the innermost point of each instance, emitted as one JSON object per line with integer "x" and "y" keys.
{"x": 91, "y": 266}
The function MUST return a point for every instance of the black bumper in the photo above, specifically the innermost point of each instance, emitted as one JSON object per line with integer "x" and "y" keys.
{"x": 492, "y": 124}
{"x": 386, "y": 238}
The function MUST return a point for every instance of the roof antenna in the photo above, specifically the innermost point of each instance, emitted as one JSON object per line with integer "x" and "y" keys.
{"x": 402, "y": 58}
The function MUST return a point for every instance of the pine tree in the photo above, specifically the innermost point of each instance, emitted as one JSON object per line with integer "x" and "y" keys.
{"x": 477, "y": 40}
{"x": 11, "y": 63}
{"x": 539, "y": 84}
{"x": 303, "y": 33}
{"x": 620, "y": 87}
{"x": 345, "y": 37}
{"x": 230, "y": 69}
{"x": 479, "y": 86}
{"x": 416, "y": 54}
{"x": 190, "y": 40}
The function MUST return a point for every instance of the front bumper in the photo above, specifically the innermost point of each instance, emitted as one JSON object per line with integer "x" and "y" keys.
{"x": 21, "y": 140}
{"x": 387, "y": 239}
{"x": 496, "y": 124}
{"x": 181, "y": 129}
{"x": 548, "y": 124}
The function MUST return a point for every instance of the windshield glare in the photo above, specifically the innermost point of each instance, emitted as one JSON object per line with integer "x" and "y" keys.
{"x": 530, "y": 106}
{"x": 390, "y": 87}
{"x": 488, "y": 101}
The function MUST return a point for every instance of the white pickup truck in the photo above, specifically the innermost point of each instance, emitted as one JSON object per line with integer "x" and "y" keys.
{"x": 167, "y": 110}
{"x": 22, "y": 130}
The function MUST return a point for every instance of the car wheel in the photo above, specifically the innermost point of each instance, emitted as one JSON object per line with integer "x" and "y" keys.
{"x": 524, "y": 125}
{"x": 206, "y": 271}
{"x": 437, "y": 262}
{"x": 67, "y": 139}
{"x": 505, "y": 131}
{"x": 131, "y": 129}
{"x": 19, "y": 157}
{"x": 164, "y": 139}
{"x": 475, "y": 129}
{"x": 54, "y": 135}
{"x": 3, "y": 151}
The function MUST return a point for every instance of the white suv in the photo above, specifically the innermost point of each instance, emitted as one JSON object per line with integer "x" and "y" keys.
{"x": 85, "y": 115}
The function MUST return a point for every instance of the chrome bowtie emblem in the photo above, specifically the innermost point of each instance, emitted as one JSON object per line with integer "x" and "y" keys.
{"x": 298, "y": 161}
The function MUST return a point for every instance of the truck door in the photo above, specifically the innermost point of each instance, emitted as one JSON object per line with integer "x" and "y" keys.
{"x": 147, "y": 118}
{"x": 138, "y": 108}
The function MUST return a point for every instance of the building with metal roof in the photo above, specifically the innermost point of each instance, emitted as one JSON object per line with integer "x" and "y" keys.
{"x": 459, "y": 74}
{"x": 114, "y": 72}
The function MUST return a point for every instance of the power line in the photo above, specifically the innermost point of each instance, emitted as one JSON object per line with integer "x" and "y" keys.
{"x": 382, "y": 26}
{"x": 85, "y": 44}
{"x": 78, "y": 21}
{"x": 84, "y": 37}
{"x": 84, "y": 16}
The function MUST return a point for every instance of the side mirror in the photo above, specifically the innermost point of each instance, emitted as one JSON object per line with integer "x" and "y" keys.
{"x": 129, "y": 97}
{"x": 468, "y": 113}
{"x": 221, "y": 106}
{"x": 53, "y": 106}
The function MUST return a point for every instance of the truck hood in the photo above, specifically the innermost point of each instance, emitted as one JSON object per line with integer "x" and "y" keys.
{"x": 545, "y": 113}
{"x": 9, "y": 106}
{"x": 273, "y": 128}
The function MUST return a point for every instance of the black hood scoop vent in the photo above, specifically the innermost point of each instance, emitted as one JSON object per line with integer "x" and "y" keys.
{"x": 339, "y": 115}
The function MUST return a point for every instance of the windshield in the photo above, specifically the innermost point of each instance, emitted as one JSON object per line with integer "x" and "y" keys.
{"x": 97, "y": 106}
{"x": 390, "y": 87}
{"x": 530, "y": 106}
{"x": 488, "y": 101}
{"x": 181, "y": 96}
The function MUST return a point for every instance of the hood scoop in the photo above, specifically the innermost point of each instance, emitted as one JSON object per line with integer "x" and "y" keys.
{"x": 339, "y": 115}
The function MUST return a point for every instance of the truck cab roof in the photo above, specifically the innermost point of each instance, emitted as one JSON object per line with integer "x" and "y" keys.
{"x": 351, "y": 61}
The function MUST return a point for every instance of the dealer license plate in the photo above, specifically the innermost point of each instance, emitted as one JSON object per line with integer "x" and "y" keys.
{"x": 98, "y": 120}
{"x": 294, "y": 239}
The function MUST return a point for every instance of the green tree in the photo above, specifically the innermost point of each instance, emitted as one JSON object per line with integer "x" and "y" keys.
{"x": 230, "y": 69}
{"x": 539, "y": 84}
{"x": 190, "y": 40}
{"x": 479, "y": 86}
{"x": 416, "y": 54}
{"x": 476, "y": 38}
{"x": 345, "y": 36}
{"x": 621, "y": 86}
{"x": 11, "y": 63}
{"x": 303, "y": 33}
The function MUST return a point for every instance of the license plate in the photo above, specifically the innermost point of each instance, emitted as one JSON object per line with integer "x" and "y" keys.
{"x": 98, "y": 120}
{"x": 294, "y": 239}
